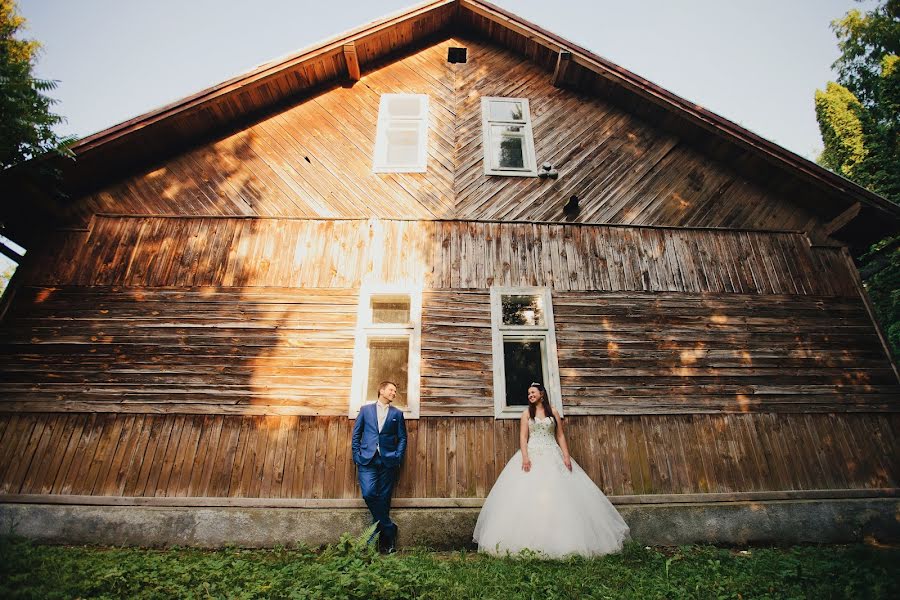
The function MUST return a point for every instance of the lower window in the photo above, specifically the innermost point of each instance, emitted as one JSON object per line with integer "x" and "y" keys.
{"x": 524, "y": 347}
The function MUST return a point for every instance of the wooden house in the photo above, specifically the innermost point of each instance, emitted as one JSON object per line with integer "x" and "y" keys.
{"x": 460, "y": 201}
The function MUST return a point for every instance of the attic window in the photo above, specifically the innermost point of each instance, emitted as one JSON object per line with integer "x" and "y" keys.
{"x": 507, "y": 137}
{"x": 456, "y": 55}
{"x": 401, "y": 138}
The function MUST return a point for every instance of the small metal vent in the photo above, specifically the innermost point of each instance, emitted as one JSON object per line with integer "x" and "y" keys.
{"x": 456, "y": 55}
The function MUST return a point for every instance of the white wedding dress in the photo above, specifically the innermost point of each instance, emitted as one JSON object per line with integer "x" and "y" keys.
{"x": 549, "y": 509}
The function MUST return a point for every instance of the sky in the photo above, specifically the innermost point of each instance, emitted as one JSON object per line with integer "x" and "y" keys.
{"x": 755, "y": 62}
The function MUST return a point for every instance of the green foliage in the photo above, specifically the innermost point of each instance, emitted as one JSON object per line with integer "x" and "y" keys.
{"x": 840, "y": 116}
{"x": 864, "y": 40}
{"x": 351, "y": 569}
{"x": 880, "y": 268}
{"x": 858, "y": 116}
{"x": 26, "y": 129}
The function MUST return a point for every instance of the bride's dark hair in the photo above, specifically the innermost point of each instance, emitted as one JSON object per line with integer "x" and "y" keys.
{"x": 545, "y": 401}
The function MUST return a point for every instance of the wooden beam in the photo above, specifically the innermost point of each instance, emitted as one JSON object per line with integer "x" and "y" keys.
{"x": 563, "y": 60}
{"x": 352, "y": 61}
{"x": 842, "y": 220}
{"x": 337, "y": 503}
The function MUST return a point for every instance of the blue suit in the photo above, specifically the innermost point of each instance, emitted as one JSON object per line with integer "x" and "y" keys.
{"x": 378, "y": 469}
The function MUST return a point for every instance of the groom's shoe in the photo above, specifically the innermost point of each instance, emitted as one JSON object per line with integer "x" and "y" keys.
{"x": 392, "y": 541}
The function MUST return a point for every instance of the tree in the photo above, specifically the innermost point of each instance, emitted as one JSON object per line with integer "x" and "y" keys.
{"x": 859, "y": 119}
{"x": 859, "y": 116}
{"x": 26, "y": 129}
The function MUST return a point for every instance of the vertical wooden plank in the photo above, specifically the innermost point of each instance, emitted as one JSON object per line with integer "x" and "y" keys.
{"x": 239, "y": 460}
{"x": 207, "y": 452}
{"x": 188, "y": 456}
{"x": 280, "y": 469}
{"x": 452, "y": 458}
{"x": 246, "y": 460}
{"x": 420, "y": 487}
{"x": 274, "y": 445}
{"x": 169, "y": 456}
{"x": 318, "y": 489}
{"x": 43, "y": 455}
{"x": 217, "y": 483}
{"x": 103, "y": 456}
{"x": 19, "y": 459}
{"x": 301, "y": 461}
{"x": 331, "y": 449}
{"x": 87, "y": 446}
{"x": 267, "y": 427}
{"x": 110, "y": 482}
{"x": 137, "y": 485}
{"x": 76, "y": 427}
{"x": 292, "y": 428}
{"x": 313, "y": 458}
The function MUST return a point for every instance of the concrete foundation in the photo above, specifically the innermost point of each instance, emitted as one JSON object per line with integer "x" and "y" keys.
{"x": 738, "y": 523}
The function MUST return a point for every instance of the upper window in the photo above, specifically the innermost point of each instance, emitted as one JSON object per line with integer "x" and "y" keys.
{"x": 388, "y": 347}
{"x": 508, "y": 142}
{"x": 401, "y": 139}
{"x": 524, "y": 347}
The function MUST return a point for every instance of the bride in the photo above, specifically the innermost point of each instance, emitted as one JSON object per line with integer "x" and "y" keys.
{"x": 543, "y": 500}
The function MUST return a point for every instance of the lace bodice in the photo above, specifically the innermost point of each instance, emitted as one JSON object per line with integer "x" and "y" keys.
{"x": 541, "y": 434}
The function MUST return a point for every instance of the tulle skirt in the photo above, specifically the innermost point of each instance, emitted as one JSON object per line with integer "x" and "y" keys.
{"x": 548, "y": 510}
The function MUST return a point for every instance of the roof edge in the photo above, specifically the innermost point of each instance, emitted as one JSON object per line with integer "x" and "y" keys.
{"x": 645, "y": 88}
{"x": 258, "y": 73}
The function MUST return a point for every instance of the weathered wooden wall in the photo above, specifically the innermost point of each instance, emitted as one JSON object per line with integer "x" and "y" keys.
{"x": 298, "y": 253}
{"x": 309, "y": 457}
{"x": 192, "y": 334}
{"x": 314, "y": 159}
{"x": 242, "y": 316}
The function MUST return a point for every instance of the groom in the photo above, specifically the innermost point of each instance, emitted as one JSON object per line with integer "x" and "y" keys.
{"x": 379, "y": 441}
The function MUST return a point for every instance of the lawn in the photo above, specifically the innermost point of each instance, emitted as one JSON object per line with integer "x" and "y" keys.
{"x": 352, "y": 570}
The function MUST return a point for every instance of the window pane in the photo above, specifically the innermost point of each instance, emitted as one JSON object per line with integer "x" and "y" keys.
{"x": 508, "y": 143}
{"x": 507, "y": 110}
{"x": 523, "y": 310}
{"x": 523, "y": 364}
{"x": 402, "y": 144}
{"x": 404, "y": 107}
{"x": 390, "y": 310}
{"x": 388, "y": 361}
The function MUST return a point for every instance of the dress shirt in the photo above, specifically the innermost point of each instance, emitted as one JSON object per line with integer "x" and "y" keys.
{"x": 382, "y": 411}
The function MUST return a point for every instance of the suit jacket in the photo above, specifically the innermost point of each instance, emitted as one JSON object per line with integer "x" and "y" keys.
{"x": 391, "y": 440}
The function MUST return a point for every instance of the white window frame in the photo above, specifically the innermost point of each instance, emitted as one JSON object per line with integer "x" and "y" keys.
{"x": 546, "y": 334}
{"x": 367, "y": 330}
{"x": 529, "y": 159}
{"x": 379, "y": 161}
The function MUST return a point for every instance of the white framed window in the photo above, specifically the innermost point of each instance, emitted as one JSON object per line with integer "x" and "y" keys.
{"x": 388, "y": 347}
{"x": 401, "y": 137}
{"x": 523, "y": 341}
{"x": 507, "y": 137}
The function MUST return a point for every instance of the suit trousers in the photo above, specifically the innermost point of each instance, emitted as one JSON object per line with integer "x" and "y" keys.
{"x": 376, "y": 480}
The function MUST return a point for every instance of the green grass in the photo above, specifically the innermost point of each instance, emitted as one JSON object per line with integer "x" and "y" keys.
{"x": 349, "y": 569}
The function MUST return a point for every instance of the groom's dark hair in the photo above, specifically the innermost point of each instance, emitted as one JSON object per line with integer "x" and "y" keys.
{"x": 384, "y": 384}
{"x": 545, "y": 401}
